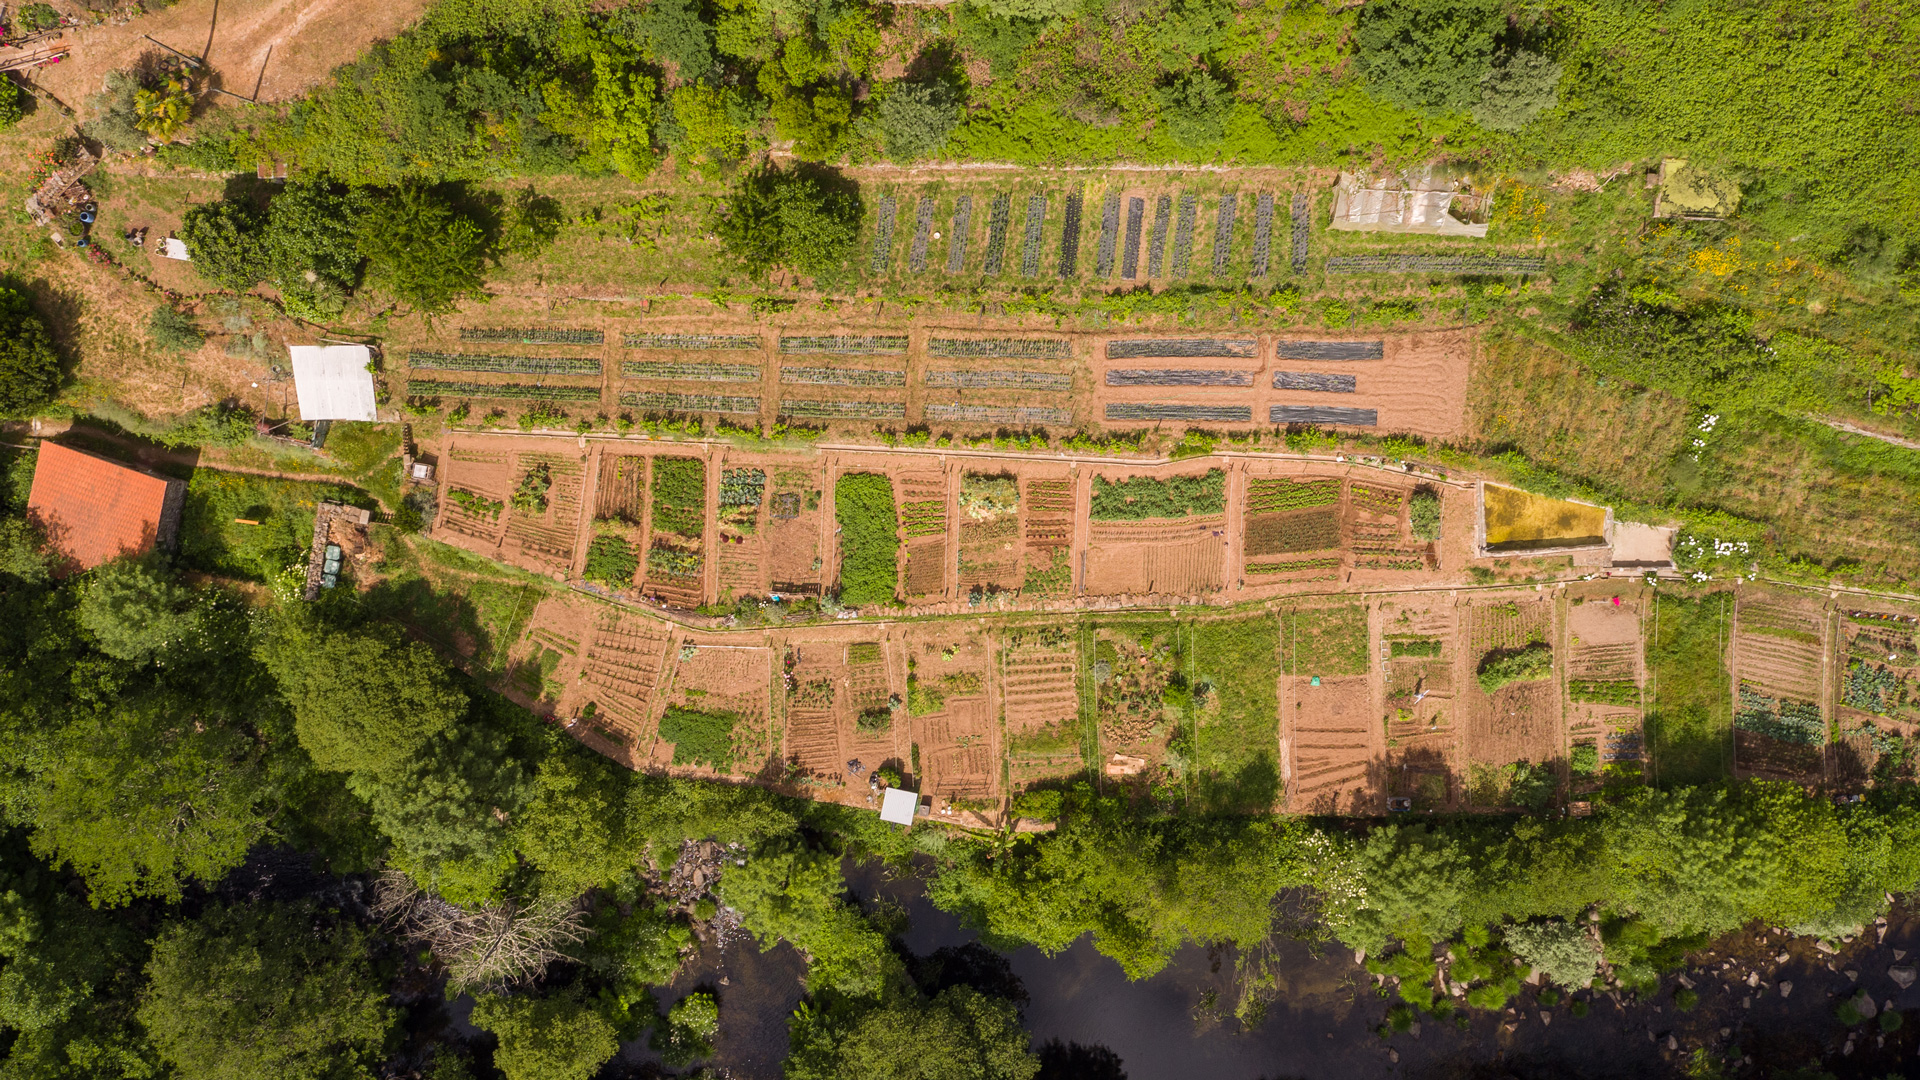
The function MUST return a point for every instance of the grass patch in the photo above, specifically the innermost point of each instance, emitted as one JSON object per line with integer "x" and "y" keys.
{"x": 1690, "y": 688}
{"x": 1237, "y": 732}
{"x": 699, "y": 737}
{"x": 869, "y": 547}
{"x": 472, "y": 608}
{"x": 1324, "y": 641}
{"x": 211, "y": 539}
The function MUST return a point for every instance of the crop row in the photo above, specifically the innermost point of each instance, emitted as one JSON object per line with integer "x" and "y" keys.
{"x": 923, "y": 518}
{"x": 1262, "y": 233}
{"x": 1302, "y": 231}
{"x": 846, "y": 345}
{"x": 500, "y": 391}
{"x": 742, "y": 487}
{"x": 1157, "y": 242}
{"x": 1008, "y": 348}
{"x": 826, "y": 376}
{"x": 533, "y": 335}
{"x": 1265, "y": 495}
{"x": 1789, "y": 721}
{"x": 1137, "y": 498}
{"x": 999, "y": 380}
{"x": 1313, "y": 380}
{"x": 660, "y": 402}
{"x": 646, "y": 369}
{"x": 1294, "y": 565}
{"x": 1109, "y": 235}
{"x": 504, "y": 365}
{"x": 1183, "y": 234}
{"x": 957, "y": 239}
{"x": 1377, "y": 500}
{"x": 1181, "y": 348}
{"x": 999, "y": 414}
{"x": 1436, "y": 264}
{"x": 872, "y": 410}
{"x": 1177, "y": 377}
{"x": 692, "y": 342}
{"x": 1030, "y": 243}
{"x": 672, "y": 563}
{"x": 678, "y": 496}
{"x": 1313, "y": 530}
{"x": 1322, "y": 414}
{"x": 997, "y": 217}
{"x": 1330, "y": 350}
{"x": 1223, "y": 235}
{"x": 1130, "y": 258}
{"x": 922, "y": 231}
{"x": 1070, "y": 237}
{"x": 882, "y": 235}
{"x": 1227, "y": 414}
{"x": 1043, "y": 495}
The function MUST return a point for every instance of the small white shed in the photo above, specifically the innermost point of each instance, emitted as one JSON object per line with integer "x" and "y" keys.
{"x": 897, "y": 806}
{"x": 332, "y": 382}
{"x": 173, "y": 248}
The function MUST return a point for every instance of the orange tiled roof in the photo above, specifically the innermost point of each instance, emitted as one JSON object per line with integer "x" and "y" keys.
{"x": 94, "y": 509}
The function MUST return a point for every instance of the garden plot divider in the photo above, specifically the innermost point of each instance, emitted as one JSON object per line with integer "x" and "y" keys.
{"x": 822, "y": 376}
{"x": 665, "y": 402}
{"x": 1130, "y": 260}
{"x": 1183, "y": 234}
{"x": 1223, "y": 234}
{"x": 1302, "y": 231}
{"x": 1177, "y": 377}
{"x": 922, "y": 233}
{"x": 1109, "y": 235}
{"x": 882, "y": 235}
{"x": 1322, "y": 414}
{"x": 957, "y": 236}
{"x": 830, "y": 410}
{"x": 1330, "y": 350}
{"x": 999, "y": 380}
{"x": 1030, "y": 241}
{"x": 504, "y": 365}
{"x": 1070, "y": 238}
{"x": 1228, "y": 414}
{"x": 874, "y": 345}
{"x": 1182, "y": 348}
{"x": 1262, "y": 233}
{"x": 1002, "y": 348}
{"x": 1157, "y": 242}
{"x": 999, "y": 414}
{"x": 1436, "y": 264}
{"x": 531, "y": 336}
{"x": 500, "y": 391}
{"x": 693, "y": 342}
{"x": 672, "y": 371}
{"x": 1313, "y": 380}
{"x": 997, "y": 218}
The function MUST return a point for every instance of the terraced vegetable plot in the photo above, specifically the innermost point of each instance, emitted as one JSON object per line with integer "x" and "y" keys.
{"x": 536, "y": 335}
{"x": 1262, "y": 233}
{"x": 1070, "y": 239}
{"x": 1294, "y": 531}
{"x": 1223, "y": 235}
{"x": 1313, "y": 381}
{"x": 957, "y": 235}
{"x": 671, "y": 371}
{"x": 1109, "y": 236}
{"x": 692, "y": 342}
{"x": 829, "y": 410}
{"x": 1183, "y": 234}
{"x": 1177, "y": 377}
{"x": 1273, "y": 567}
{"x": 999, "y": 414}
{"x": 1302, "y": 232}
{"x": 1157, "y": 243}
{"x": 998, "y": 216}
{"x": 882, "y": 235}
{"x": 1322, "y": 414}
{"x": 500, "y": 391}
{"x": 823, "y": 376}
{"x": 1030, "y": 243}
{"x": 1273, "y": 494}
{"x": 1001, "y": 348}
{"x": 845, "y": 345}
{"x": 1436, "y": 264}
{"x": 1378, "y": 500}
{"x": 1227, "y": 414}
{"x": 654, "y": 401}
{"x": 504, "y": 365}
{"x": 1330, "y": 350}
{"x": 1130, "y": 258}
{"x": 1182, "y": 348}
{"x": 999, "y": 380}
{"x": 922, "y": 233}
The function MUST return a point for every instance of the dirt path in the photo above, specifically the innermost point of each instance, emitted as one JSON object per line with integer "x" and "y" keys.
{"x": 147, "y": 454}
{"x": 1842, "y": 425}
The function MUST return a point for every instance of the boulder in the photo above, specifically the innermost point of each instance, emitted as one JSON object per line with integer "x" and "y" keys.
{"x": 1864, "y": 1003}
{"x": 1785, "y": 988}
{"x": 1902, "y": 975}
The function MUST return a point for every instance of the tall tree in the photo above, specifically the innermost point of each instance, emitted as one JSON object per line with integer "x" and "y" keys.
{"x": 364, "y": 700}
{"x": 29, "y": 366}
{"x": 424, "y": 250}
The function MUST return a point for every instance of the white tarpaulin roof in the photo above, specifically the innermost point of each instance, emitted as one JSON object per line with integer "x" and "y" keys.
{"x": 897, "y": 806}
{"x": 332, "y": 382}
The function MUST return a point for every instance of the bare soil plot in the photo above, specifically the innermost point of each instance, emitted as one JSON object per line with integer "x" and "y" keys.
{"x": 1047, "y": 522}
{"x": 989, "y": 516}
{"x": 620, "y": 493}
{"x": 732, "y": 680}
{"x": 1040, "y": 702}
{"x": 1132, "y": 675}
{"x": 742, "y": 551}
{"x": 1605, "y": 672}
{"x": 478, "y": 480}
{"x": 1765, "y": 758}
{"x": 1138, "y": 557}
{"x": 621, "y": 662}
{"x": 1377, "y": 529}
{"x": 543, "y": 537}
{"x": 1780, "y": 645}
{"x": 1421, "y": 655}
{"x": 812, "y": 741}
{"x": 793, "y": 531}
{"x": 544, "y": 665}
{"x": 1330, "y": 743}
{"x": 1518, "y": 724}
{"x": 952, "y": 727}
{"x": 872, "y": 711}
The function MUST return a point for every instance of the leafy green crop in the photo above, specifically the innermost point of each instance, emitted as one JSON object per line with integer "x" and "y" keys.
{"x": 1136, "y": 498}
{"x": 869, "y": 546}
{"x": 699, "y": 737}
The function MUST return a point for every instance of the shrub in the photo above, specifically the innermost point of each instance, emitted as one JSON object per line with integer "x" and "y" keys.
{"x": 1503, "y": 666}
{"x": 531, "y": 496}
{"x": 1423, "y": 511}
{"x": 807, "y": 218}
{"x": 29, "y": 367}
{"x": 1585, "y": 760}
{"x": 997, "y": 36}
{"x": 115, "y": 124}
{"x": 1195, "y": 109}
{"x": 173, "y": 331}
{"x": 612, "y": 560}
{"x": 1520, "y": 86}
{"x": 424, "y": 251}
{"x": 1429, "y": 57}
{"x": 688, "y": 1032}
{"x": 869, "y": 545}
{"x": 11, "y": 98}
{"x": 916, "y": 118}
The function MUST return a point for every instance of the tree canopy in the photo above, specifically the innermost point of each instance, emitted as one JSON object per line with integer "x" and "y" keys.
{"x": 30, "y": 373}
{"x": 804, "y": 218}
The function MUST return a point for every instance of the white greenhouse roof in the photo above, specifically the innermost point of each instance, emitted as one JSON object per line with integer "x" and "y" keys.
{"x": 897, "y": 806}
{"x": 332, "y": 381}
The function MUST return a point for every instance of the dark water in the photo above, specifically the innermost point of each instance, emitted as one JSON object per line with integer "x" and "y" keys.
{"x": 1323, "y": 1022}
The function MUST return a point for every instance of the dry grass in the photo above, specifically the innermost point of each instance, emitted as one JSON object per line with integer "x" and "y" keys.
{"x": 1517, "y": 517}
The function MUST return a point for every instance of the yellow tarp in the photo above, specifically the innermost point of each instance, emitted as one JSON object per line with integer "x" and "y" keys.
{"x": 1517, "y": 518}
